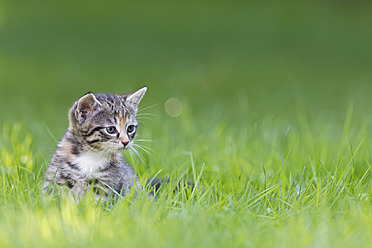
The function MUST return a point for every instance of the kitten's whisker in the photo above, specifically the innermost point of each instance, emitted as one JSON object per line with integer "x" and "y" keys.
{"x": 148, "y": 150}
{"x": 142, "y": 109}
{"x": 91, "y": 149}
{"x": 133, "y": 159}
{"x": 131, "y": 155}
{"x": 138, "y": 135}
{"x": 149, "y": 153}
{"x": 113, "y": 149}
{"x": 139, "y": 156}
{"x": 146, "y": 140}
{"x": 144, "y": 117}
{"x": 147, "y": 114}
{"x": 106, "y": 149}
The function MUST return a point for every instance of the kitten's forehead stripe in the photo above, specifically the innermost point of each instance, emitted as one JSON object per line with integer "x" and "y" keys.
{"x": 114, "y": 104}
{"x": 121, "y": 123}
{"x": 111, "y": 121}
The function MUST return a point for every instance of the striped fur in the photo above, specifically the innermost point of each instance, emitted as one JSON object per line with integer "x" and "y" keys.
{"x": 89, "y": 155}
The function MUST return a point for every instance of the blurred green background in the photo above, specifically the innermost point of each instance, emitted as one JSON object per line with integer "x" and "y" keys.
{"x": 234, "y": 62}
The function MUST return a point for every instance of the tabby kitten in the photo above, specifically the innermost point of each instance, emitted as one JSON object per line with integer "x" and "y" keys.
{"x": 89, "y": 155}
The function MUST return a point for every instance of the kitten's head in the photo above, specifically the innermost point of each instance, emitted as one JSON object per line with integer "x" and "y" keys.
{"x": 104, "y": 121}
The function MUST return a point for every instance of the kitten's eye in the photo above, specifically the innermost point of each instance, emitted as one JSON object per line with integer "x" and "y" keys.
{"x": 130, "y": 128}
{"x": 111, "y": 130}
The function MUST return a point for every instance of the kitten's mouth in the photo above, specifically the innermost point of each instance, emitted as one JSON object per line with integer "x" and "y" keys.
{"x": 122, "y": 148}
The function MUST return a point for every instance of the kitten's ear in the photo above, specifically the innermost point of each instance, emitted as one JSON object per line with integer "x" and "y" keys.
{"x": 86, "y": 106}
{"x": 135, "y": 98}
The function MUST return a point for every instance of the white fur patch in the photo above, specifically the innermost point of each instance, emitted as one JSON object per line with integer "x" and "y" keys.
{"x": 90, "y": 162}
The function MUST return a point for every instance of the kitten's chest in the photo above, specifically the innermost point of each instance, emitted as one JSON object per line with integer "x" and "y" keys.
{"x": 89, "y": 163}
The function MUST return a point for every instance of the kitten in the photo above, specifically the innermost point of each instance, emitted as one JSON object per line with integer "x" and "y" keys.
{"x": 89, "y": 155}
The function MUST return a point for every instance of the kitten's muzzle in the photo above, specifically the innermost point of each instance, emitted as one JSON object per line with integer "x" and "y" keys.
{"x": 124, "y": 146}
{"x": 124, "y": 139}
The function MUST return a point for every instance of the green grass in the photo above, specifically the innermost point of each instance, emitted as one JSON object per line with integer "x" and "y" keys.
{"x": 275, "y": 128}
{"x": 285, "y": 191}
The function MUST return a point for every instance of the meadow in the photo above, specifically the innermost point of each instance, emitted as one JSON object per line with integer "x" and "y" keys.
{"x": 264, "y": 105}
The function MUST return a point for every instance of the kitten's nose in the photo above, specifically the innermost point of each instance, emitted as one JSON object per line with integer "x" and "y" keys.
{"x": 124, "y": 140}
